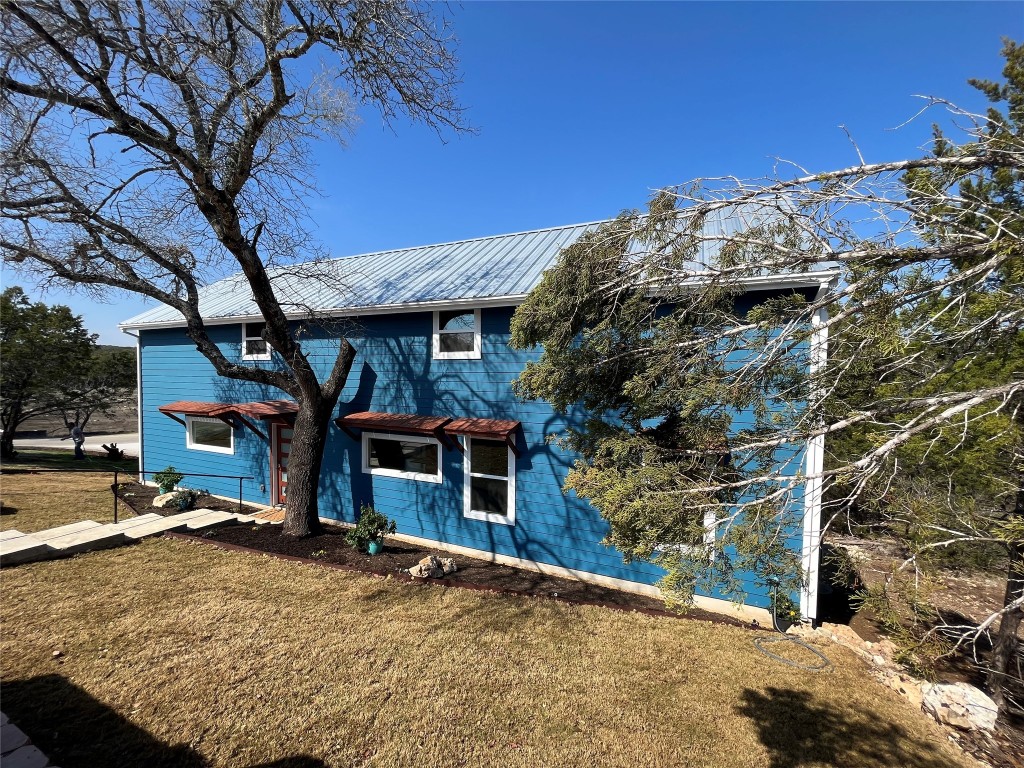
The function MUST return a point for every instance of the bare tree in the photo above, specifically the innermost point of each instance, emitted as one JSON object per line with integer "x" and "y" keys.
{"x": 154, "y": 146}
{"x": 924, "y": 327}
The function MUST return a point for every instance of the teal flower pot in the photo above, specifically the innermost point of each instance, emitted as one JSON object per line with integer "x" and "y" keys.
{"x": 375, "y": 547}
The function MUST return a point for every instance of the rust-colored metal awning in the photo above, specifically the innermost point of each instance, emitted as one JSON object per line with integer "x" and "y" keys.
{"x": 489, "y": 429}
{"x": 269, "y": 410}
{"x": 409, "y": 423}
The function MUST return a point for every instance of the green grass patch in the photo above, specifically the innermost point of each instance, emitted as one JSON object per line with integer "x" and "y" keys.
{"x": 29, "y": 459}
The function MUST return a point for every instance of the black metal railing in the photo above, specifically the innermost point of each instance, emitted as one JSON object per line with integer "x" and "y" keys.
{"x": 118, "y": 472}
{"x": 239, "y": 478}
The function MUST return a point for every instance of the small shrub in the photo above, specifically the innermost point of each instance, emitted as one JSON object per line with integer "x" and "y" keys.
{"x": 167, "y": 479}
{"x": 186, "y": 498}
{"x": 371, "y": 526}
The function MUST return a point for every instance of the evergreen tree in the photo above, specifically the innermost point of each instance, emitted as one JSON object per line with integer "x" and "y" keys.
{"x": 701, "y": 394}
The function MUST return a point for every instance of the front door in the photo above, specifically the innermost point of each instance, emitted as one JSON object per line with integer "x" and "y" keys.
{"x": 282, "y": 448}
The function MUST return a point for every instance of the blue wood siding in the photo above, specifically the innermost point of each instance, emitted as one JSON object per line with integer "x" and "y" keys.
{"x": 394, "y": 372}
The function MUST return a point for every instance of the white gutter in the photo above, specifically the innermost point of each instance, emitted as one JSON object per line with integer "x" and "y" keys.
{"x": 815, "y": 464}
{"x": 138, "y": 398}
{"x": 802, "y": 280}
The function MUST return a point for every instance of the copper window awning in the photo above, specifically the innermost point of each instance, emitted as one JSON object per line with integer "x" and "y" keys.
{"x": 489, "y": 429}
{"x": 277, "y": 411}
{"x": 441, "y": 427}
{"x": 409, "y": 423}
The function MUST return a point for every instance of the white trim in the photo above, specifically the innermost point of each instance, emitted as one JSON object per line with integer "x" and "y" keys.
{"x": 810, "y": 555}
{"x": 744, "y": 613}
{"x": 467, "y": 495}
{"x": 246, "y": 337}
{"x": 193, "y": 446}
{"x": 803, "y": 280}
{"x": 435, "y": 344}
{"x": 138, "y": 403}
{"x": 419, "y": 476}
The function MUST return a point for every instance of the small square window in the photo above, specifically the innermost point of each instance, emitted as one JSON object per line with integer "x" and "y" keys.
{"x": 206, "y": 434}
{"x": 254, "y": 347}
{"x": 457, "y": 334}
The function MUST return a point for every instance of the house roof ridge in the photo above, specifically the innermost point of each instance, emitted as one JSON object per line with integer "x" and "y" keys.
{"x": 469, "y": 240}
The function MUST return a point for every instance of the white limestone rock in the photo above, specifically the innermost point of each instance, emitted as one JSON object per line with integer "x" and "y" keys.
{"x": 431, "y": 567}
{"x": 960, "y": 705}
{"x": 164, "y": 499}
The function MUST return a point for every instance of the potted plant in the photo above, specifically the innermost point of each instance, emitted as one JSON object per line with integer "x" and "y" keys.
{"x": 167, "y": 479}
{"x": 369, "y": 531}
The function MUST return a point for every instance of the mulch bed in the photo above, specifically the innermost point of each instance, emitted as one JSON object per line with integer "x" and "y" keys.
{"x": 139, "y": 498}
{"x": 329, "y": 548}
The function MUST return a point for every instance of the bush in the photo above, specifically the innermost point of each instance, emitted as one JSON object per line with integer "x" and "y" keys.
{"x": 167, "y": 479}
{"x": 371, "y": 526}
{"x": 186, "y": 499}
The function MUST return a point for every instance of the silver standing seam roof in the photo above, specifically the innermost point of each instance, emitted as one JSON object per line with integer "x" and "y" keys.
{"x": 483, "y": 269}
{"x": 497, "y": 267}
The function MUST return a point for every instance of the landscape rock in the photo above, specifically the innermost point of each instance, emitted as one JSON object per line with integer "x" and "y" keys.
{"x": 164, "y": 499}
{"x": 432, "y": 567}
{"x": 960, "y": 705}
{"x": 907, "y": 687}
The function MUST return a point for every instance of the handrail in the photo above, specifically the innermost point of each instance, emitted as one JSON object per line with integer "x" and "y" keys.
{"x": 117, "y": 472}
{"x": 240, "y": 478}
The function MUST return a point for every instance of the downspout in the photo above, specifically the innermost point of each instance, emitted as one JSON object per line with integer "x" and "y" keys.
{"x": 815, "y": 465}
{"x": 138, "y": 396}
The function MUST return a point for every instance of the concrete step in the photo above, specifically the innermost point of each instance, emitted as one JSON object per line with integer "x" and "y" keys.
{"x": 212, "y": 520}
{"x": 153, "y": 527}
{"x": 131, "y": 522}
{"x": 192, "y": 514}
{"x": 251, "y": 519}
{"x": 24, "y": 549}
{"x": 87, "y": 540}
{"x": 10, "y": 533}
{"x": 66, "y": 530}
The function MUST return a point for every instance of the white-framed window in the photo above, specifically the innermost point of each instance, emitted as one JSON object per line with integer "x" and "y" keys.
{"x": 489, "y": 492}
{"x": 412, "y": 457}
{"x": 254, "y": 347}
{"x": 203, "y": 433}
{"x": 457, "y": 334}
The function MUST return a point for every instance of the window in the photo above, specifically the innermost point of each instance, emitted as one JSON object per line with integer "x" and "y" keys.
{"x": 457, "y": 334}
{"x": 203, "y": 433}
{"x": 407, "y": 456}
{"x": 253, "y": 345}
{"x": 490, "y": 487}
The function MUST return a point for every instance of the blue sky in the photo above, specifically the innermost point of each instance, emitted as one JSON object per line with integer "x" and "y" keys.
{"x": 582, "y": 109}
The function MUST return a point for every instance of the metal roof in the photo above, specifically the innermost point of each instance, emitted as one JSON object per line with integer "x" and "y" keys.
{"x": 485, "y": 270}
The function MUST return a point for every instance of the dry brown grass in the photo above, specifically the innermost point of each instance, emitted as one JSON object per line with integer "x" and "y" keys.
{"x": 34, "y": 502}
{"x": 176, "y": 653}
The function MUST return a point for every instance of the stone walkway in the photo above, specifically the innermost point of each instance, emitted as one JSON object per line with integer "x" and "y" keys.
{"x": 65, "y": 540}
{"x": 17, "y": 750}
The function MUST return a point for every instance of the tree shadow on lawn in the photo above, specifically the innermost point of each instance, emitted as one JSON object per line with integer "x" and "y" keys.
{"x": 798, "y": 731}
{"x": 75, "y": 730}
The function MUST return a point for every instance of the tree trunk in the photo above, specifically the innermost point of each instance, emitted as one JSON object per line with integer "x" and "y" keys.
{"x": 11, "y": 422}
{"x": 309, "y": 438}
{"x": 7, "y": 451}
{"x": 1004, "y": 651}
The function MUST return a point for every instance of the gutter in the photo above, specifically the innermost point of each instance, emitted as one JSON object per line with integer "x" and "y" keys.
{"x": 802, "y": 280}
{"x": 138, "y": 395}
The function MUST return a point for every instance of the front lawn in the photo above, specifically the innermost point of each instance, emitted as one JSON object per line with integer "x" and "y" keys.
{"x": 181, "y": 654}
{"x": 35, "y": 498}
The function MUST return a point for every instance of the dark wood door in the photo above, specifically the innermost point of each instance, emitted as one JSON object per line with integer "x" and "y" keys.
{"x": 282, "y": 448}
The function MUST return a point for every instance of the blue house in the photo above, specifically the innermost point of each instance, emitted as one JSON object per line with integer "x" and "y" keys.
{"x": 428, "y": 430}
